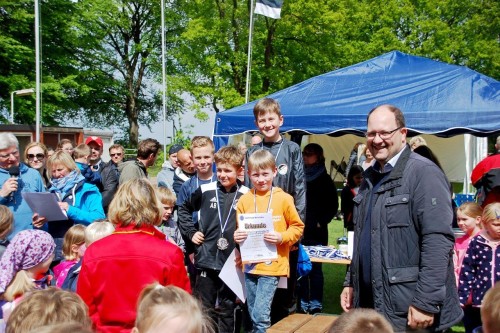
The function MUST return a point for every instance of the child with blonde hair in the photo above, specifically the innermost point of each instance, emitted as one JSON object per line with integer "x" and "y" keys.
{"x": 469, "y": 221}
{"x": 169, "y": 306}
{"x": 6, "y": 225}
{"x": 480, "y": 267}
{"x": 23, "y": 267}
{"x": 73, "y": 249}
{"x": 362, "y": 321}
{"x": 46, "y": 307}
{"x": 95, "y": 231}
{"x": 168, "y": 225}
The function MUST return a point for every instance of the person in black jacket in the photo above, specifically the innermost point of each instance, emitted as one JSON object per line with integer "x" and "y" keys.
{"x": 354, "y": 179}
{"x": 321, "y": 206}
{"x": 213, "y": 236}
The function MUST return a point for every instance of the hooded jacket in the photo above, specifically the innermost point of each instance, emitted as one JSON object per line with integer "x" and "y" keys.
{"x": 132, "y": 170}
{"x": 411, "y": 243}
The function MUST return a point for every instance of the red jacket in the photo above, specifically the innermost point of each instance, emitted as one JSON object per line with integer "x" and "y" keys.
{"x": 116, "y": 268}
{"x": 486, "y": 176}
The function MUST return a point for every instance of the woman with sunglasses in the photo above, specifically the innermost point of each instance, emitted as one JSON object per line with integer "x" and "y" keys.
{"x": 35, "y": 156}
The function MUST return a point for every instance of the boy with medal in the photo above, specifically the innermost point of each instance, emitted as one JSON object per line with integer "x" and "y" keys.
{"x": 261, "y": 279}
{"x": 213, "y": 237}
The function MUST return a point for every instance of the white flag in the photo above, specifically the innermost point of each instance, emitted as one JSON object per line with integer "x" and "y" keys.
{"x": 269, "y": 8}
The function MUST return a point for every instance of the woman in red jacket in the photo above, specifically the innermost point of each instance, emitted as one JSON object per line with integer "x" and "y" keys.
{"x": 116, "y": 268}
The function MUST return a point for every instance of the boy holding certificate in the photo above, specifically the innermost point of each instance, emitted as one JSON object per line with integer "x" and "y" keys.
{"x": 261, "y": 277}
{"x": 213, "y": 236}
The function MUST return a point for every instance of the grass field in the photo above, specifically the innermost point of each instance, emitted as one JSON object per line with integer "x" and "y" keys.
{"x": 334, "y": 277}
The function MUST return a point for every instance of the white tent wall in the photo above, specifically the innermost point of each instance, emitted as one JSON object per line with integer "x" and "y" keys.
{"x": 458, "y": 154}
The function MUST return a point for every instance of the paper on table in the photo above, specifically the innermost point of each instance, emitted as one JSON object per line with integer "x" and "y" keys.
{"x": 45, "y": 205}
{"x": 255, "y": 249}
{"x": 234, "y": 277}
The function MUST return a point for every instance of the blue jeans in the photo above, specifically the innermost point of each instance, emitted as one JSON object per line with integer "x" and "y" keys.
{"x": 311, "y": 289}
{"x": 260, "y": 294}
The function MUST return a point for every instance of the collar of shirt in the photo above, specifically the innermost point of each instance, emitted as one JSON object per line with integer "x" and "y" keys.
{"x": 390, "y": 164}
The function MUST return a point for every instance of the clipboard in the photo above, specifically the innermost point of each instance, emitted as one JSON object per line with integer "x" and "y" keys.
{"x": 45, "y": 204}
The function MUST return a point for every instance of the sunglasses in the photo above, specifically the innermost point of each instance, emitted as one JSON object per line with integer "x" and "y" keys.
{"x": 115, "y": 154}
{"x": 38, "y": 156}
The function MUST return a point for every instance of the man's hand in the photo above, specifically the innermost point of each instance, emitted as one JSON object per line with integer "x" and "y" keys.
{"x": 418, "y": 319}
{"x": 8, "y": 187}
{"x": 346, "y": 298}
{"x": 198, "y": 238}
{"x": 38, "y": 221}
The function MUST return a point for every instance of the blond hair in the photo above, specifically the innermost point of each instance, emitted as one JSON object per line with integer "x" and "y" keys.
{"x": 31, "y": 145}
{"x": 417, "y": 141}
{"x": 202, "y": 141}
{"x": 261, "y": 159}
{"x": 63, "y": 328}
{"x": 266, "y": 105}
{"x": 229, "y": 155}
{"x": 166, "y": 196}
{"x": 361, "y": 320}
{"x": 158, "y": 303}
{"x": 98, "y": 230}
{"x": 136, "y": 203}
{"x": 490, "y": 309}
{"x": 45, "y": 307}
{"x": 20, "y": 284}
{"x": 6, "y": 221}
{"x": 62, "y": 158}
{"x": 471, "y": 209}
{"x": 82, "y": 150}
{"x": 74, "y": 236}
{"x": 491, "y": 213}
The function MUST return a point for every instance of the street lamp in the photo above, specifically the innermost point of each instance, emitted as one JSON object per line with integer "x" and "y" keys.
{"x": 22, "y": 92}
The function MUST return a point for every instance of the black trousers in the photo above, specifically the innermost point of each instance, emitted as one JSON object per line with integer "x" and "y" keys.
{"x": 210, "y": 289}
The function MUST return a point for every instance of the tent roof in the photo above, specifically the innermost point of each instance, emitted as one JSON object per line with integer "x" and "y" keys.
{"x": 436, "y": 98}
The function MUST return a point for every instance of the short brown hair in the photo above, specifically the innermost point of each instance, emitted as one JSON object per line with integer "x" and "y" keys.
{"x": 398, "y": 114}
{"x": 63, "y": 142}
{"x": 202, "y": 141}
{"x": 45, "y": 307}
{"x": 135, "y": 202}
{"x": 230, "y": 155}
{"x": 74, "y": 236}
{"x": 6, "y": 221}
{"x": 261, "y": 159}
{"x": 147, "y": 147}
{"x": 82, "y": 150}
{"x": 116, "y": 146}
{"x": 490, "y": 309}
{"x": 266, "y": 105}
{"x": 361, "y": 320}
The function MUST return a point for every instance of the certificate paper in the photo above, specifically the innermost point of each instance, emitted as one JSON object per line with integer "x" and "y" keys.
{"x": 45, "y": 204}
{"x": 255, "y": 249}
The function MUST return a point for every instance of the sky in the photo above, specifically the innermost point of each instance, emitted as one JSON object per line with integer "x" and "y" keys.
{"x": 199, "y": 128}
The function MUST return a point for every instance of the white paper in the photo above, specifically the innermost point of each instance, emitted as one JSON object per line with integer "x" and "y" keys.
{"x": 283, "y": 282}
{"x": 350, "y": 243}
{"x": 255, "y": 249}
{"x": 234, "y": 277}
{"x": 45, "y": 204}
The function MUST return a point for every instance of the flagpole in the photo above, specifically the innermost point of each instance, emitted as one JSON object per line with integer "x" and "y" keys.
{"x": 164, "y": 81}
{"x": 249, "y": 59}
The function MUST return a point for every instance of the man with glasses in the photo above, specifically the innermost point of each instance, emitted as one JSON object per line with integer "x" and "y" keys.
{"x": 109, "y": 177}
{"x": 15, "y": 178}
{"x": 403, "y": 239}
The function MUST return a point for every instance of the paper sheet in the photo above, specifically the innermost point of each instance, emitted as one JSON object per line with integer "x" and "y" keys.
{"x": 45, "y": 205}
{"x": 234, "y": 277}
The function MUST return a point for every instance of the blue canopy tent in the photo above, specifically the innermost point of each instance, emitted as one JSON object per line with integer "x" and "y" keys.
{"x": 437, "y": 98}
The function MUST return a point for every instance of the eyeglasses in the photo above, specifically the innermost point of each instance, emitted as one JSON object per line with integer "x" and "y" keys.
{"x": 384, "y": 135}
{"x": 13, "y": 153}
{"x": 38, "y": 156}
{"x": 116, "y": 154}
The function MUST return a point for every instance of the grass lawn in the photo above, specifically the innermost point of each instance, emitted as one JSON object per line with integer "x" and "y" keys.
{"x": 334, "y": 277}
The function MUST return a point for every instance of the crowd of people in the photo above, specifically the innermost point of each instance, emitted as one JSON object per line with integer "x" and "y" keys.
{"x": 133, "y": 256}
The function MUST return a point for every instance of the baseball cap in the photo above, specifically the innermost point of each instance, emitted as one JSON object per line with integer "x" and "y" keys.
{"x": 174, "y": 149}
{"x": 95, "y": 139}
